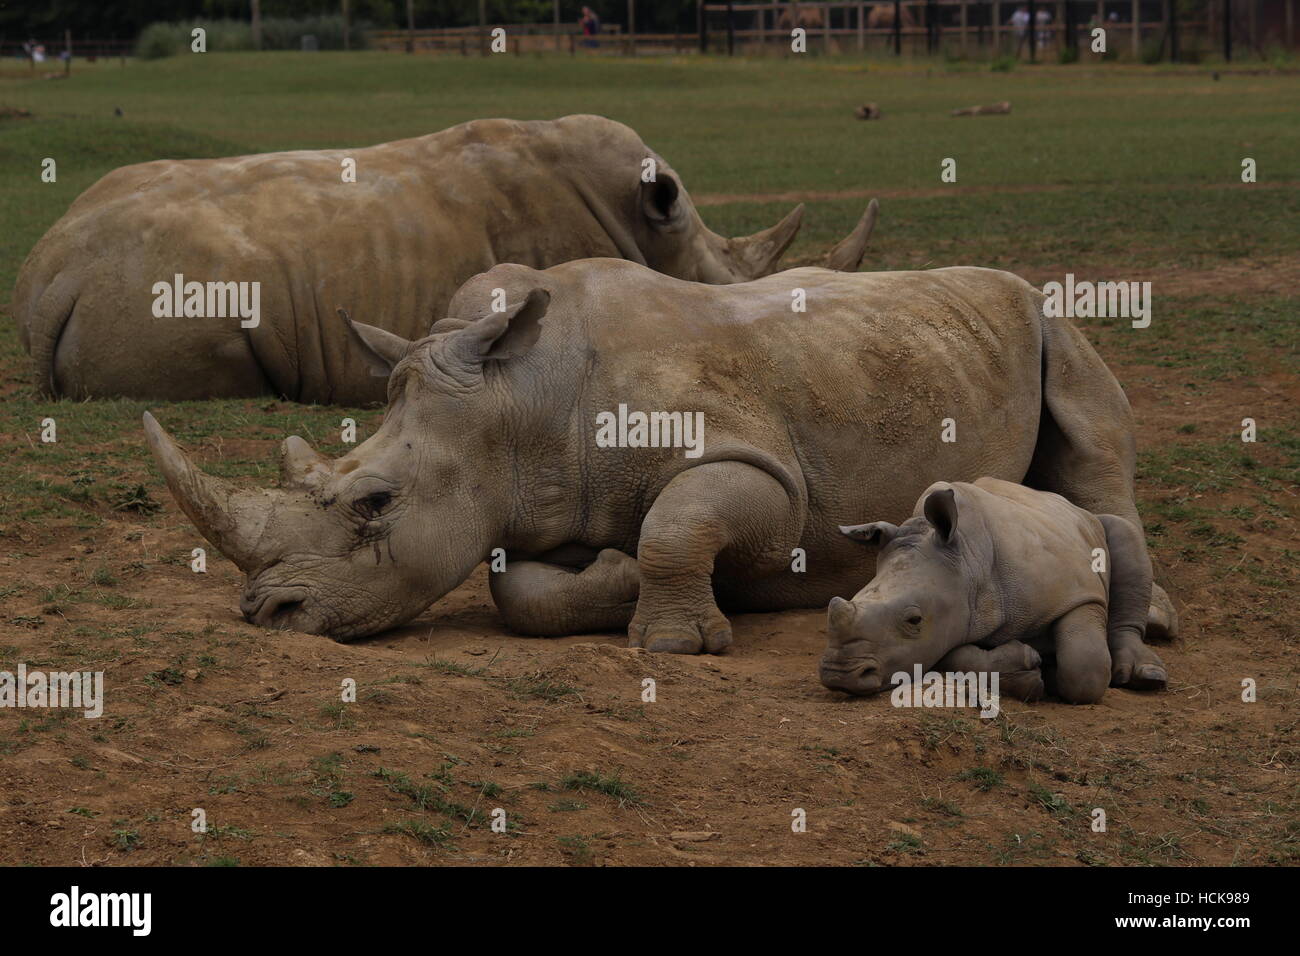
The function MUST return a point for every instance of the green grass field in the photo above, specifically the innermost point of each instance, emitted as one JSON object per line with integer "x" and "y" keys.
{"x": 1126, "y": 173}
{"x": 1117, "y": 174}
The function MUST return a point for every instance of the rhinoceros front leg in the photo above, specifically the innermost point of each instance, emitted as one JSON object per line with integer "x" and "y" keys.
{"x": 1133, "y": 663}
{"x": 1018, "y": 666}
{"x": 1080, "y": 673}
{"x": 548, "y": 600}
{"x": 726, "y": 511}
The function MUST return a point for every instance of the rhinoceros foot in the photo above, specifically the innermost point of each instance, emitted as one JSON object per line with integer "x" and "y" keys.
{"x": 1138, "y": 667}
{"x": 1162, "y": 618}
{"x": 677, "y": 633}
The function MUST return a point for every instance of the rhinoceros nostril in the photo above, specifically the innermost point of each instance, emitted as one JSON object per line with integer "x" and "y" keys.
{"x": 276, "y": 612}
{"x": 270, "y": 610}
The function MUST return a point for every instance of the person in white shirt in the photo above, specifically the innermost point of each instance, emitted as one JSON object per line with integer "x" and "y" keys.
{"x": 1020, "y": 20}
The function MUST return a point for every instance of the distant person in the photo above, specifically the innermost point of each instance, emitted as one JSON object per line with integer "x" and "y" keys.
{"x": 1044, "y": 17}
{"x": 1020, "y": 22}
{"x": 590, "y": 24}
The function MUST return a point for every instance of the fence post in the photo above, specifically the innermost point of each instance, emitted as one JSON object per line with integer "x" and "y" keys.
{"x": 862, "y": 36}
{"x": 699, "y": 18}
{"x": 1137, "y": 30}
{"x": 631, "y": 27}
{"x": 997, "y": 28}
{"x": 963, "y": 28}
{"x": 731, "y": 33}
{"x": 1033, "y": 32}
{"x": 410, "y": 26}
{"x": 482, "y": 28}
{"x": 1173, "y": 30}
{"x": 898, "y": 28}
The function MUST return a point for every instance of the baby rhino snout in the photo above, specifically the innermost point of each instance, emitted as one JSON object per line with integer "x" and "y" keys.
{"x": 848, "y": 664}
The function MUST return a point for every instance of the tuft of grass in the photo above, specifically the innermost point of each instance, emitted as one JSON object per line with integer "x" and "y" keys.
{"x": 984, "y": 778}
{"x": 611, "y": 786}
{"x": 421, "y": 831}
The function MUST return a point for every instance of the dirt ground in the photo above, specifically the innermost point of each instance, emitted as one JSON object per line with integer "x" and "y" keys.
{"x": 455, "y": 718}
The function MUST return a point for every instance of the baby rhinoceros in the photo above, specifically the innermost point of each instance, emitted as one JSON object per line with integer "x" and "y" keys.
{"x": 996, "y": 577}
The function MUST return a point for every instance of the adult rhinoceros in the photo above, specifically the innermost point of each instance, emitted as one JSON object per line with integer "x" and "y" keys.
{"x": 421, "y": 217}
{"x": 498, "y": 429}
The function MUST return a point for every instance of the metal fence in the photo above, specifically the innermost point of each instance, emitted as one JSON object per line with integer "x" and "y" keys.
{"x": 1040, "y": 30}
{"x": 1059, "y": 30}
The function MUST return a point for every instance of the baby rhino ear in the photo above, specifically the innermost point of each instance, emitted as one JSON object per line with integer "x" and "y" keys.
{"x": 941, "y": 512}
{"x": 878, "y": 533}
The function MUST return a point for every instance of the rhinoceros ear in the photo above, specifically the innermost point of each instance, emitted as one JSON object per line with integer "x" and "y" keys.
{"x": 941, "y": 512}
{"x": 380, "y": 349}
{"x": 503, "y": 335}
{"x": 877, "y": 533}
{"x": 660, "y": 200}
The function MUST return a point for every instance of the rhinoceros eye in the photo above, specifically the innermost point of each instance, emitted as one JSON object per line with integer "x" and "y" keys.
{"x": 372, "y": 505}
{"x": 912, "y": 617}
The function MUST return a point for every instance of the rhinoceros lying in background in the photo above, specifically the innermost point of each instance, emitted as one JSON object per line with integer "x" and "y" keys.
{"x": 491, "y": 440}
{"x": 422, "y": 216}
{"x": 985, "y": 577}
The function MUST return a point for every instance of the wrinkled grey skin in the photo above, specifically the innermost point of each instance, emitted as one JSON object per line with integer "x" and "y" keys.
{"x": 422, "y": 216}
{"x": 994, "y": 576}
{"x": 490, "y": 441}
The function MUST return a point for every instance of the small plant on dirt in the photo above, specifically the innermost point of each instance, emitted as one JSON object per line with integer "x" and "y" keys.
{"x": 126, "y": 840}
{"x": 327, "y": 774}
{"x": 541, "y": 686}
{"x": 906, "y": 843}
{"x": 945, "y": 807}
{"x": 566, "y": 806}
{"x": 231, "y": 831}
{"x": 137, "y": 500}
{"x": 425, "y": 833}
{"x": 486, "y": 788}
{"x": 984, "y": 778}
{"x": 452, "y": 667}
{"x": 576, "y": 848}
{"x": 103, "y": 577}
{"x": 337, "y": 714}
{"x": 171, "y": 676}
{"x": 1053, "y": 803}
{"x": 612, "y": 786}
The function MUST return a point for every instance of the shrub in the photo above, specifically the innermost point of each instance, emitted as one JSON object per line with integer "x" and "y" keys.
{"x": 159, "y": 40}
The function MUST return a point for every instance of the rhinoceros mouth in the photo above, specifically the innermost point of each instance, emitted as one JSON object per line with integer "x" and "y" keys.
{"x": 859, "y": 677}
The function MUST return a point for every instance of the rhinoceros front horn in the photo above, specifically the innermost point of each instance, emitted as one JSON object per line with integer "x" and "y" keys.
{"x": 759, "y": 254}
{"x": 231, "y": 518}
{"x": 847, "y": 254}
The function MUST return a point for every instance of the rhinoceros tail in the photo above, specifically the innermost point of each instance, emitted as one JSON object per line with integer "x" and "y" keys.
{"x": 40, "y": 330}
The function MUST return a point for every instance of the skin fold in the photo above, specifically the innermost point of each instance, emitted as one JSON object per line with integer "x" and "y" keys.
{"x": 812, "y": 419}
{"x": 422, "y": 216}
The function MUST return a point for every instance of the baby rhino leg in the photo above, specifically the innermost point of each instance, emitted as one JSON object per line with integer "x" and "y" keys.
{"x": 548, "y": 600}
{"x": 1082, "y": 667}
{"x": 1018, "y": 666}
